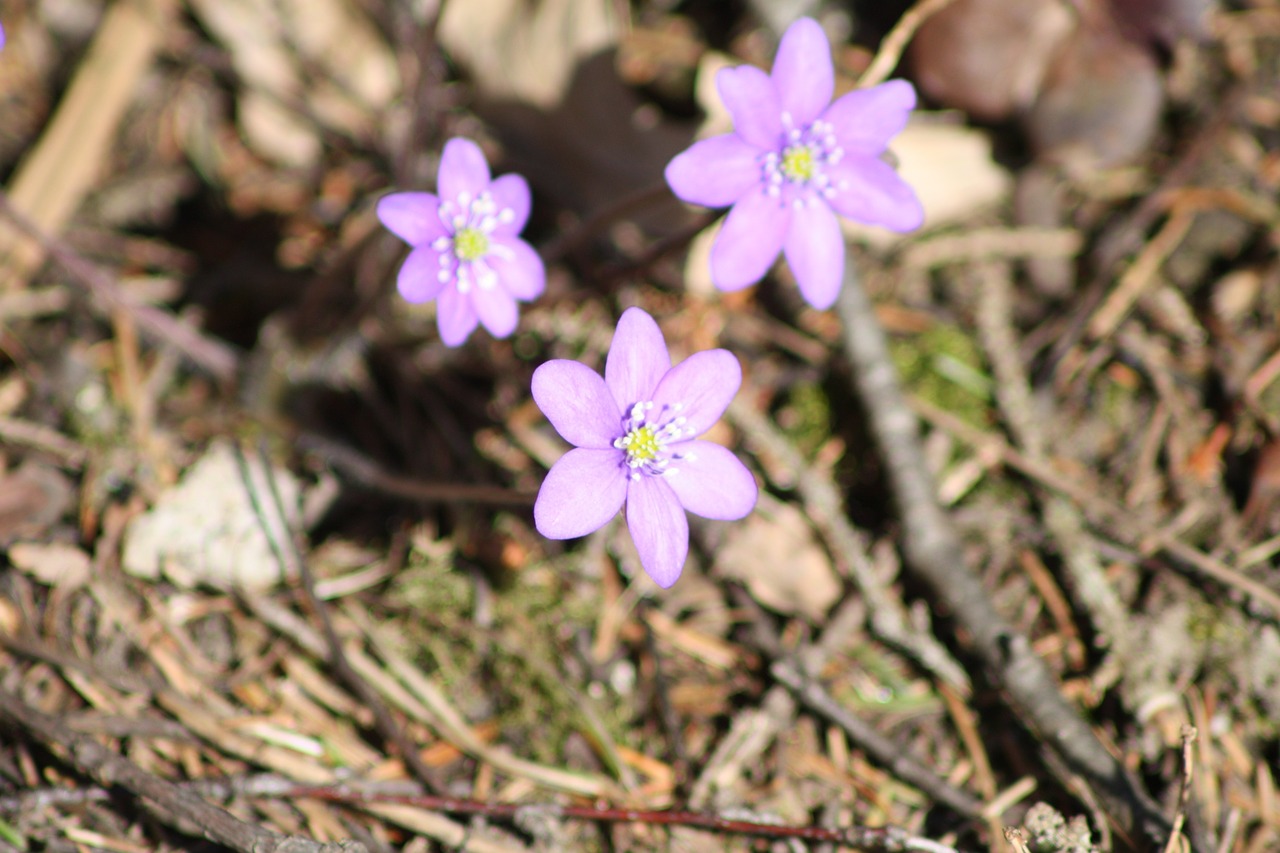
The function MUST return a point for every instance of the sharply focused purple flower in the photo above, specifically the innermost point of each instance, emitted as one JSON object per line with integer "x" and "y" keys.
{"x": 794, "y": 160}
{"x": 634, "y": 434}
{"x": 466, "y": 246}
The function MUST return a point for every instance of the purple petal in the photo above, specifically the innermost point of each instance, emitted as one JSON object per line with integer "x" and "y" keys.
{"x": 463, "y": 169}
{"x": 802, "y": 71}
{"x": 702, "y": 386}
{"x": 870, "y": 191}
{"x": 496, "y": 309}
{"x": 659, "y": 528}
{"x": 413, "y": 217}
{"x": 866, "y": 119}
{"x": 518, "y": 267}
{"x": 637, "y": 360}
{"x": 711, "y": 482}
{"x": 455, "y": 316}
{"x": 815, "y": 252}
{"x": 578, "y": 403}
{"x": 580, "y": 493}
{"x": 511, "y": 192}
{"x": 715, "y": 172}
{"x": 749, "y": 240}
{"x": 752, "y": 101}
{"x": 419, "y": 277}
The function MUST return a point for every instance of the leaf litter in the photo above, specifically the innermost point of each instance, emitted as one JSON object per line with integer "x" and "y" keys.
{"x": 1089, "y": 336}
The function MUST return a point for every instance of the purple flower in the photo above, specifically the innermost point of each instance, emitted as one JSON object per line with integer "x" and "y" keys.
{"x": 466, "y": 246}
{"x": 634, "y": 441}
{"x": 795, "y": 160}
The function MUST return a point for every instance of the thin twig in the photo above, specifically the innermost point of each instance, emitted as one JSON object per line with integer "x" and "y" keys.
{"x": 1118, "y": 521}
{"x": 935, "y": 552}
{"x": 294, "y": 564}
{"x": 825, "y": 509}
{"x": 1126, "y": 236}
{"x": 666, "y": 711}
{"x": 214, "y": 356}
{"x": 896, "y": 41}
{"x": 993, "y": 307}
{"x": 1184, "y": 791}
{"x": 112, "y": 770}
{"x": 862, "y": 837}
{"x": 795, "y": 670}
{"x": 881, "y": 750}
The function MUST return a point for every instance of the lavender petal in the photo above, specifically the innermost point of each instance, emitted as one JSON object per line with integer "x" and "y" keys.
{"x": 749, "y": 241}
{"x": 580, "y": 494}
{"x": 455, "y": 316}
{"x": 702, "y": 386}
{"x": 752, "y": 101}
{"x": 413, "y": 217}
{"x": 802, "y": 71}
{"x": 711, "y": 482}
{"x": 815, "y": 252}
{"x": 496, "y": 309}
{"x": 715, "y": 172}
{"x": 463, "y": 169}
{"x": 419, "y": 276}
{"x": 637, "y": 359}
{"x": 659, "y": 528}
{"x": 870, "y": 191}
{"x": 865, "y": 120}
{"x": 519, "y": 268}
{"x": 578, "y": 403}
{"x": 512, "y": 192}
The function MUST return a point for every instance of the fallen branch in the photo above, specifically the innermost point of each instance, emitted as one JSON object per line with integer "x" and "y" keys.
{"x": 933, "y": 549}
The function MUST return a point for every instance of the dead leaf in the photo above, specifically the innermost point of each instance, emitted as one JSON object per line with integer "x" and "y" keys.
{"x": 774, "y": 552}
{"x": 322, "y": 55}
{"x": 55, "y": 564}
{"x": 32, "y": 498}
{"x": 206, "y": 527}
{"x": 522, "y": 51}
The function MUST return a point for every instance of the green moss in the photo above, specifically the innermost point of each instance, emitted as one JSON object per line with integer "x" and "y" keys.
{"x": 515, "y": 666}
{"x": 944, "y": 366}
{"x": 805, "y": 417}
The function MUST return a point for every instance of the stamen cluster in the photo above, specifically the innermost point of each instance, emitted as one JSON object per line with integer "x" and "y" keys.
{"x": 646, "y": 441}
{"x": 803, "y": 162}
{"x": 463, "y": 254}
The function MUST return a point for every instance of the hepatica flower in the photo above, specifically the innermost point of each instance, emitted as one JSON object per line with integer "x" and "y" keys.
{"x": 794, "y": 161}
{"x": 467, "y": 252}
{"x": 634, "y": 433}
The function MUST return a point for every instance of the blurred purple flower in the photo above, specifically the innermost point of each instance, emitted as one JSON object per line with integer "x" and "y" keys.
{"x": 466, "y": 246}
{"x": 794, "y": 158}
{"x": 633, "y": 435}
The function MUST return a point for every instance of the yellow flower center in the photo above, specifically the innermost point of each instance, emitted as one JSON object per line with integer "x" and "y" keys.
{"x": 470, "y": 244}
{"x": 641, "y": 445}
{"x": 798, "y": 163}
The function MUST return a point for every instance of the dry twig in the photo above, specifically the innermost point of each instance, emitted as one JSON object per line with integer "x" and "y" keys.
{"x": 933, "y": 549}
{"x": 176, "y": 804}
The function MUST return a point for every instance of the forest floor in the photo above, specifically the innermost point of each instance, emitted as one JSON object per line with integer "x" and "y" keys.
{"x": 270, "y": 572}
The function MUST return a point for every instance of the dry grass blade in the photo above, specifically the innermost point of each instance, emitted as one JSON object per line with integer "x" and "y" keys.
{"x": 70, "y": 157}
